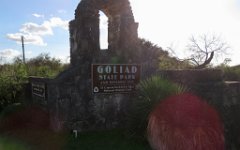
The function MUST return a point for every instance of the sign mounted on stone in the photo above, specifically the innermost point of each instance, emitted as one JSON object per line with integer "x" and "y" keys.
{"x": 38, "y": 89}
{"x": 121, "y": 78}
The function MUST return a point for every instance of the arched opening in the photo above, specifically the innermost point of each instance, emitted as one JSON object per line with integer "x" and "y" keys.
{"x": 103, "y": 27}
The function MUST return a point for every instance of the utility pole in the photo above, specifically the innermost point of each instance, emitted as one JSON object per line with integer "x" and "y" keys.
{"x": 23, "y": 50}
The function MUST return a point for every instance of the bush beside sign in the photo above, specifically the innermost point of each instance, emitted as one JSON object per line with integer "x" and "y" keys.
{"x": 115, "y": 78}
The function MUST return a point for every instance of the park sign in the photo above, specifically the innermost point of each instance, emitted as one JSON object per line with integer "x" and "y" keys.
{"x": 112, "y": 78}
{"x": 38, "y": 89}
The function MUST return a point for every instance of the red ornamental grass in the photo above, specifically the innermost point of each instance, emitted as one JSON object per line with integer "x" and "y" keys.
{"x": 185, "y": 122}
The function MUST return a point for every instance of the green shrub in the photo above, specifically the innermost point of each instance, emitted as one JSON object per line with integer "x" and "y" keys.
{"x": 150, "y": 92}
{"x": 10, "y": 109}
{"x": 8, "y": 144}
{"x": 12, "y": 79}
{"x": 232, "y": 74}
{"x": 14, "y": 76}
{"x": 44, "y": 66}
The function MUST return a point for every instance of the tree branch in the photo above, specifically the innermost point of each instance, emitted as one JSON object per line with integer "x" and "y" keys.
{"x": 206, "y": 62}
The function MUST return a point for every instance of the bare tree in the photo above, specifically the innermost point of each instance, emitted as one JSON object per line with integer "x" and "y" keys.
{"x": 204, "y": 48}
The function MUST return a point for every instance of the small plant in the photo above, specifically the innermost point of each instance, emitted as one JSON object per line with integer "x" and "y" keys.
{"x": 150, "y": 92}
{"x": 157, "y": 88}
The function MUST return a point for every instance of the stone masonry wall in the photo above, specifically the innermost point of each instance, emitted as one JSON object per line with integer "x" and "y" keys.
{"x": 223, "y": 95}
{"x": 71, "y": 108}
{"x": 69, "y": 98}
{"x": 71, "y": 103}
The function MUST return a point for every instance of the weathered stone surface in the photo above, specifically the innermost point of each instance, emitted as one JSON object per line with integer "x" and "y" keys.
{"x": 84, "y": 30}
{"x": 71, "y": 102}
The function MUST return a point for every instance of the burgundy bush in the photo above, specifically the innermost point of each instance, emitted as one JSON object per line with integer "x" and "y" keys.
{"x": 185, "y": 122}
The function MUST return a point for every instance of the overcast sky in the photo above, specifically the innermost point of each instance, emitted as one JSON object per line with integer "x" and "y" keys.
{"x": 44, "y": 24}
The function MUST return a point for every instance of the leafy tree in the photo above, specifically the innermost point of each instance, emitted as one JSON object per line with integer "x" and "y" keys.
{"x": 160, "y": 58}
{"x": 149, "y": 51}
{"x": 44, "y": 66}
{"x": 231, "y": 73}
{"x": 14, "y": 76}
{"x": 44, "y": 59}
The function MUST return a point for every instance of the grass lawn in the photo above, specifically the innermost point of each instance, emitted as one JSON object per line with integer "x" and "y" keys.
{"x": 20, "y": 131}
{"x": 106, "y": 140}
{"x": 10, "y": 144}
{"x": 47, "y": 140}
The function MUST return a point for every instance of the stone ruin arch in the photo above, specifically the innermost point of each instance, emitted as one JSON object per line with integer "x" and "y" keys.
{"x": 70, "y": 101}
{"x": 84, "y": 29}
